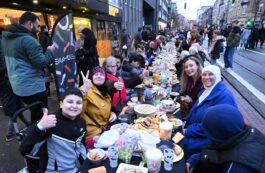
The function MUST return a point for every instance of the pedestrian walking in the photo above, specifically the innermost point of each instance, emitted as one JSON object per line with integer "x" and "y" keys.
{"x": 217, "y": 46}
{"x": 25, "y": 59}
{"x": 232, "y": 40}
{"x": 245, "y": 37}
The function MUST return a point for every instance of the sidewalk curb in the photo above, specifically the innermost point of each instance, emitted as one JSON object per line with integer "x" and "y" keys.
{"x": 256, "y": 103}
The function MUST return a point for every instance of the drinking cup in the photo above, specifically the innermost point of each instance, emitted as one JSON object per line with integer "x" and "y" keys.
{"x": 153, "y": 160}
{"x": 113, "y": 156}
{"x": 168, "y": 159}
{"x": 165, "y": 130}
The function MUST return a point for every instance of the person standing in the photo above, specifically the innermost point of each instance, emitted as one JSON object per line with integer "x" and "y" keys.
{"x": 216, "y": 47}
{"x": 11, "y": 102}
{"x": 137, "y": 39}
{"x": 25, "y": 59}
{"x": 233, "y": 40}
{"x": 123, "y": 42}
{"x": 45, "y": 42}
{"x": 88, "y": 54}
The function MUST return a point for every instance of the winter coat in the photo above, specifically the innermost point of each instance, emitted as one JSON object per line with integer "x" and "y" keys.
{"x": 64, "y": 148}
{"x": 99, "y": 107}
{"x": 243, "y": 152}
{"x": 245, "y": 34}
{"x": 24, "y": 60}
{"x": 195, "y": 139}
{"x": 233, "y": 38}
{"x": 215, "y": 52}
{"x": 87, "y": 59}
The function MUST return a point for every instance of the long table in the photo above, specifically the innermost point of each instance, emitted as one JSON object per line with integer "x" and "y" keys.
{"x": 178, "y": 167}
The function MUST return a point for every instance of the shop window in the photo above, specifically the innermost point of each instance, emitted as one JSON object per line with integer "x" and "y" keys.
{"x": 78, "y": 22}
{"x": 51, "y": 20}
{"x": 10, "y": 16}
{"x": 244, "y": 9}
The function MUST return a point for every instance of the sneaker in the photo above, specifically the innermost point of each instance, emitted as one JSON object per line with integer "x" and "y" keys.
{"x": 10, "y": 137}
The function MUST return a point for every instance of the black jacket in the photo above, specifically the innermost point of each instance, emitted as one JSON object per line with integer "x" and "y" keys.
{"x": 64, "y": 144}
{"x": 246, "y": 148}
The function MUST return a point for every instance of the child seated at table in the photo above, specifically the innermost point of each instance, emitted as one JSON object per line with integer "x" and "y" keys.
{"x": 60, "y": 137}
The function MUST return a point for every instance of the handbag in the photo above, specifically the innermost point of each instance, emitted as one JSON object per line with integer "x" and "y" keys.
{"x": 103, "y": 128}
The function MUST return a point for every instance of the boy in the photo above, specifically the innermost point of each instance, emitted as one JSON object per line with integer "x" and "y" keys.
{"x": 63, "y": 135}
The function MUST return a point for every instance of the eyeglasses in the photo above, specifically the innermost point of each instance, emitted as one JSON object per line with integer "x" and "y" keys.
{"x": 111, "y": 66}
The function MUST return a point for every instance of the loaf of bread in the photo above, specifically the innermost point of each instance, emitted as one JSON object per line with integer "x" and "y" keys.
{"x": 100, "y": 169}
{"x": 178, "y": 137}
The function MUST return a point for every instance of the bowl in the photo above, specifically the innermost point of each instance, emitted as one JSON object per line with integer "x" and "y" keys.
{"x": 145, "y": 110}
{"x": 167, "y": 104}
{"x": 177, "y": 123}
{"x": 126, "y": 118}
{"x": 100, "y": 154}
{"x": 134, "y": 99}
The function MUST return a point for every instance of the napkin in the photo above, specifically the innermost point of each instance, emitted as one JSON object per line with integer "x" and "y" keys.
{"x": 108, "y": 138}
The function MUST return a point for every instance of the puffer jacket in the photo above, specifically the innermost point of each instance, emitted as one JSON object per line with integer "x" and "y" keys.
{"x": 24, "y": 60}
{"x": 233, "y": 38}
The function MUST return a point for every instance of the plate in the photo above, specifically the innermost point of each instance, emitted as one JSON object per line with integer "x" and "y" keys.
{"x": 126, "y": 168}
{"x": 177, "y": 157}
{"x": 145, "y": 110}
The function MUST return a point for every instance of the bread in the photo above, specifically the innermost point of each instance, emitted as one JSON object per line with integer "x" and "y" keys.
{"x": 94, "y": 155}
{"x": 178, "y": 137}
{"x": 177, "y": 149}
{"x": 100, "y": 169}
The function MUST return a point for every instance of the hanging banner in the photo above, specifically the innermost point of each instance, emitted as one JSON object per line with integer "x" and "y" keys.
{"x": 64, "y": 56}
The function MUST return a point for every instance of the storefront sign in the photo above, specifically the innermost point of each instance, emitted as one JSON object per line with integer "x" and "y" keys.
{"x": 113, "y": 10}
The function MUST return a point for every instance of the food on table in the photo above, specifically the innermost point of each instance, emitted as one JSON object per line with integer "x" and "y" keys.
{"x": 145, "y": 110}
{"x": 94, "y": 155}
{"x": 177, "y": 149}
{"x": 176, "y": 122}
{"x": 149, "y": 122}
{"x": 100, "y": 169}
{"x": 127, "y": 168}
{"x": 131, "y": 170}
{"x": 178, "y": 137}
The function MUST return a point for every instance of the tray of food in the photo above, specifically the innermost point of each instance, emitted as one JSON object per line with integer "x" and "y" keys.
{"x": 127, "y": 168}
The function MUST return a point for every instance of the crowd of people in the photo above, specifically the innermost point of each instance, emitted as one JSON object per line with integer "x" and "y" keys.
{"x": 216, "y": 138}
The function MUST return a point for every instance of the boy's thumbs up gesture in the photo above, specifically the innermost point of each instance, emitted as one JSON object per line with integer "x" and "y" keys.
{"x": 47, "y": 121}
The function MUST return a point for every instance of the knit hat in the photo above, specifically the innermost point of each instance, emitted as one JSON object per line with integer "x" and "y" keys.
{"x": 221, "y": 122}
{"x": 215, "y": 70}
{"x": 98, "y": 70}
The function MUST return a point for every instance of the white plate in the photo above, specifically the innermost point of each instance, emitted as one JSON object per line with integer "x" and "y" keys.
{"x": 131, "y": 168}
{"x": 145, "y": 109}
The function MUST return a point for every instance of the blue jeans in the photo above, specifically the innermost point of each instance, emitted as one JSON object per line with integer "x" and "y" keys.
{"x": 228, "y": 57}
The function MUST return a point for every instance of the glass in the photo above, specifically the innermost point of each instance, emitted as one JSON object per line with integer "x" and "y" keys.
{"x": 113, "y": 156}
{"x": 125, "y": 153}
{"x": 165, "y": 130}
{"x": 153, "y": 160}
{"x": 168, "y": 159}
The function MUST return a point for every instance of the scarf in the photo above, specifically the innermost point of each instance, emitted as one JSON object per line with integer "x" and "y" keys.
{"x": 119, "y": 95}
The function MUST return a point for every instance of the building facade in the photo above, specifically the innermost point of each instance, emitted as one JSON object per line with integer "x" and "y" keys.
{"x": 103, "y": 17}
{"x": 132, "y": 15}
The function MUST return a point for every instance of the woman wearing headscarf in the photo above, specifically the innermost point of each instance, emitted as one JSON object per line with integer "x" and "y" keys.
{"x": 97, "y": 106}
{"x": 214, "y": 93}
